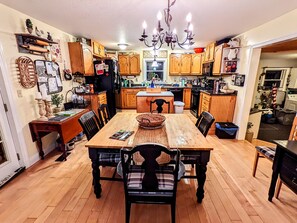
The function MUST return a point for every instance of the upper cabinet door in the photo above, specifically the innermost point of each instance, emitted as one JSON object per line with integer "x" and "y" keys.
{"x": 88, "y": 60}
{"x": 211, "y": 51}
{"x": 186, "y": 61}
{"x": 124, "y": 64}
{"x": 174, "y": 64}
{"x": 217, "y": 60}
{"x": 196, "y": 63}
{"x": 135, "y": 64}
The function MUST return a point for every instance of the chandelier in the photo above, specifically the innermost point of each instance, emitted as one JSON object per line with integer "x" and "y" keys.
{"x": 170, "y": 36}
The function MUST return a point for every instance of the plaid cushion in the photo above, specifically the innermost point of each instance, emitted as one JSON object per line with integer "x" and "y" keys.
{"x": 164, "y": 175}
{"x": 109, "y": 157}
{"x": 266, "y": 151}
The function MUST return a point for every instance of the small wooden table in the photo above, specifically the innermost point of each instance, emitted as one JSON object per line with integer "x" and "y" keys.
{"x": 67, "y": 129}
{"x": 284, "y": 165}
{"x": 178, "y": 132}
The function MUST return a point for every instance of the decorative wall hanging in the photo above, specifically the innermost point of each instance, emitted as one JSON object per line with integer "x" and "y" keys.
{"x": 239, "y": 80}
{"x": 55, "y": 50}
{"x": 150, "y": 54}
{"x": 27, "y": 75}
{"x": 49, "y": 78}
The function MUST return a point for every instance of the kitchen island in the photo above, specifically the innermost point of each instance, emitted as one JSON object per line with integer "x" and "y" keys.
{"x": 144, "y": 98}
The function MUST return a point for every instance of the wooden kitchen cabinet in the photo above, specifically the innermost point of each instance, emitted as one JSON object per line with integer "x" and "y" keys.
{"x": 180, "y": 64}
{"x": 81, "y": 58}
{"x": 209, "y": 52}
{"x": 129, "y": 64}
{"x": 196, "y": 64}
{"x": 220, "y": 106}
{"x": 218, "y": 59}
{"x": 98, "y": 49}
{"x": 95, "y": 100}
{"x": 128, "y": 96}
{"x": 187, "y": 97}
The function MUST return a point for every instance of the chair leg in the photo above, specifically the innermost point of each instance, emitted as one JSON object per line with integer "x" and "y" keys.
{"x": 192, "y": 165}
{"x": 278, "y": 187}
{"x": 255, "y": 163}
{"x": 128, "y": 209}
{"x": 173, "y": 212}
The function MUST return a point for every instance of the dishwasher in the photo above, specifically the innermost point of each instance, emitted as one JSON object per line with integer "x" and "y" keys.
{"x": 177, "y": 92}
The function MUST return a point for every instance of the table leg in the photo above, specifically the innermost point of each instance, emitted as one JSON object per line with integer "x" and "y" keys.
{"x": 201, "y": 167}
{"x": 94, "y": 156}
{"x": 272, "y": 185}
{"x": 39, "y": 145}
{"x": 201, "y": 176}
{"x": 64, "y": 150}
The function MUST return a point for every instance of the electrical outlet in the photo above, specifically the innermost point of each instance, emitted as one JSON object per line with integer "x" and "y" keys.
{"x": 20, "y": 93}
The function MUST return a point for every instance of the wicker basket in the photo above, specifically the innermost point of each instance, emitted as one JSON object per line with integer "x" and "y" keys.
{"x": 150, "y": 120}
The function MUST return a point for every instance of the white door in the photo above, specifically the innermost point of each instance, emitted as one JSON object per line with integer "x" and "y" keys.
{"x": 8, "y": 157}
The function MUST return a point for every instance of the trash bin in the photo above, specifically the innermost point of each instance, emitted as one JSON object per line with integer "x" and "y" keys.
{"x": 226, "y": 130}
{"x": 178, "y": 107}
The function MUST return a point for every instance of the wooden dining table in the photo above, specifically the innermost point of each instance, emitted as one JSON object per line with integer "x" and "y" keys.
{"x": 177, "y": 132}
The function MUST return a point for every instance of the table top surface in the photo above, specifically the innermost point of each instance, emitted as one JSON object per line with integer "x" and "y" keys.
{"x": 289, "y": 145}
{"x": 68, "y": 115}
{"x": 178, "y": 132}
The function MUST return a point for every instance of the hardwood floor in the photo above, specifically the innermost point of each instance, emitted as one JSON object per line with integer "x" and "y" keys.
{"x": 62, "y": 192}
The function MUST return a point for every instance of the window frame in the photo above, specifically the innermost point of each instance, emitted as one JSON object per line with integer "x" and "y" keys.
{"x": 151, "y": 60}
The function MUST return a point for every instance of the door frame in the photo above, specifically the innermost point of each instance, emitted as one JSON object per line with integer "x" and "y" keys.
{"x": 12, "y": 117}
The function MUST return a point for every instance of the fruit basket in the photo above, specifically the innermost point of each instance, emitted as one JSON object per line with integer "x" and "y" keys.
{"x": 150, "y": 120}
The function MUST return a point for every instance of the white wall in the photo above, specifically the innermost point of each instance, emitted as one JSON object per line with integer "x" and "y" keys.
{"x": 11, "y": 22}
{"x": 276, "y": 30}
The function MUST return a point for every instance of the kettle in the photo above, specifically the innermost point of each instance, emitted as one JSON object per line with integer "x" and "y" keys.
{"x": 232, "y": 54}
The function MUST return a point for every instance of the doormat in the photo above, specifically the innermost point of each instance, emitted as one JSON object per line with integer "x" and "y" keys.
{"x": 61, "y": 158}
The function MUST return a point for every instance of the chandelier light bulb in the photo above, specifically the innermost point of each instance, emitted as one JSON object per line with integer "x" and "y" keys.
{"x": 155, "y": 31}
{"x": 144, "y": 25}
{"x": 191, "y": 27}
{"x": 159, "y": 16}
{"x": 189, "y": 17}
{"x": 174, "y": 31}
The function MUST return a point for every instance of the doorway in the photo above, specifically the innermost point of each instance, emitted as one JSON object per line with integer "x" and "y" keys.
{"x": 278, "y": 69}
{"x": 9, "y": 163}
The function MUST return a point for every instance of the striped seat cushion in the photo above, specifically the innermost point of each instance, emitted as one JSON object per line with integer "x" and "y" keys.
{"x": 266, "y": 151}
{"x": 164, "y": 175}
{"x": 110, "y": 157}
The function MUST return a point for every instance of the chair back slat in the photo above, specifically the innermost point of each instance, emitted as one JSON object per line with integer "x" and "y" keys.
{"x": 89, "y": 123}
{"x": 160, "y": 103}
{"x": 204, "y": 122}
{"x": 104, "y": 114}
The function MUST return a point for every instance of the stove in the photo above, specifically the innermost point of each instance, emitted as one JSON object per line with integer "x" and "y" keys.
{"x": 195, "y": 97}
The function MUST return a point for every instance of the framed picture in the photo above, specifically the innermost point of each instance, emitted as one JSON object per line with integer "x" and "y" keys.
{"x": 239, "y": 80}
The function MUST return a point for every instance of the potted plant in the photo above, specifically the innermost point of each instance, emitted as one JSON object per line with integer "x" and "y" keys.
{"x": 249, "y": 134}
{"x": 57, "y": 100}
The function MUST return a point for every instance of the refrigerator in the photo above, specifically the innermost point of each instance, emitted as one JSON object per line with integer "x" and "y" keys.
{"x": 106, "y": 78}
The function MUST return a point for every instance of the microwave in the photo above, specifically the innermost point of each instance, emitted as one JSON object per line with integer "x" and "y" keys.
{"x": 207, "y": 69}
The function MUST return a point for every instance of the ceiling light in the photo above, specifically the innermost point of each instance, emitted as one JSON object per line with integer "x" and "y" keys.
{"x": 169, "y": 37}
{"x": 122, "y": 46}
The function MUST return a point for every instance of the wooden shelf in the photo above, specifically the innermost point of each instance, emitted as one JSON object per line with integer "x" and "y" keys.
{"x": 28, "y": 43}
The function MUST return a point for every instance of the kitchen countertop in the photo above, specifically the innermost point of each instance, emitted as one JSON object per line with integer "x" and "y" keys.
{"x": 163, "y": 86}
{"x": 95, "y": 93}
{"x": 211, "y": 92}
{"x": 150, "y": 94}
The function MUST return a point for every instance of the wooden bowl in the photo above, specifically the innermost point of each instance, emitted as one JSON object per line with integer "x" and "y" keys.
{"x": 150, "y": 120}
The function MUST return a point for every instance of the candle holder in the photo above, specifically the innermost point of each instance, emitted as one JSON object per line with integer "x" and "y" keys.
{"x": 42, "y": 112}
{"x": 48, "y": 108}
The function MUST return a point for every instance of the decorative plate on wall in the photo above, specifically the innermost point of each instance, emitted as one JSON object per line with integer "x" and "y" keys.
{"x": 27, "y": 75}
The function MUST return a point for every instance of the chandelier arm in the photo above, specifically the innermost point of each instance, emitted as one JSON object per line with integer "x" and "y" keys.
{"x": 147, "y": 44}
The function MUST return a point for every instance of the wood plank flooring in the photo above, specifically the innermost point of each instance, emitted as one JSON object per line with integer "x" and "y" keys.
{"x": 62, "y": 192}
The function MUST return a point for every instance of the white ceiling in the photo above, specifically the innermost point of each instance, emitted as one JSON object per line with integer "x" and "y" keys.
{"x": 114, "y": 21}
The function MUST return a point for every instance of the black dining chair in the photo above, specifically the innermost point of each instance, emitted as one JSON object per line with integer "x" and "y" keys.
{"x": 149, "y": 182}
{"x": 160, "y": 103}
{"x": 90, "y": 125}
{"x": 204, "y": 122}
{"x": 104, "y": 114}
